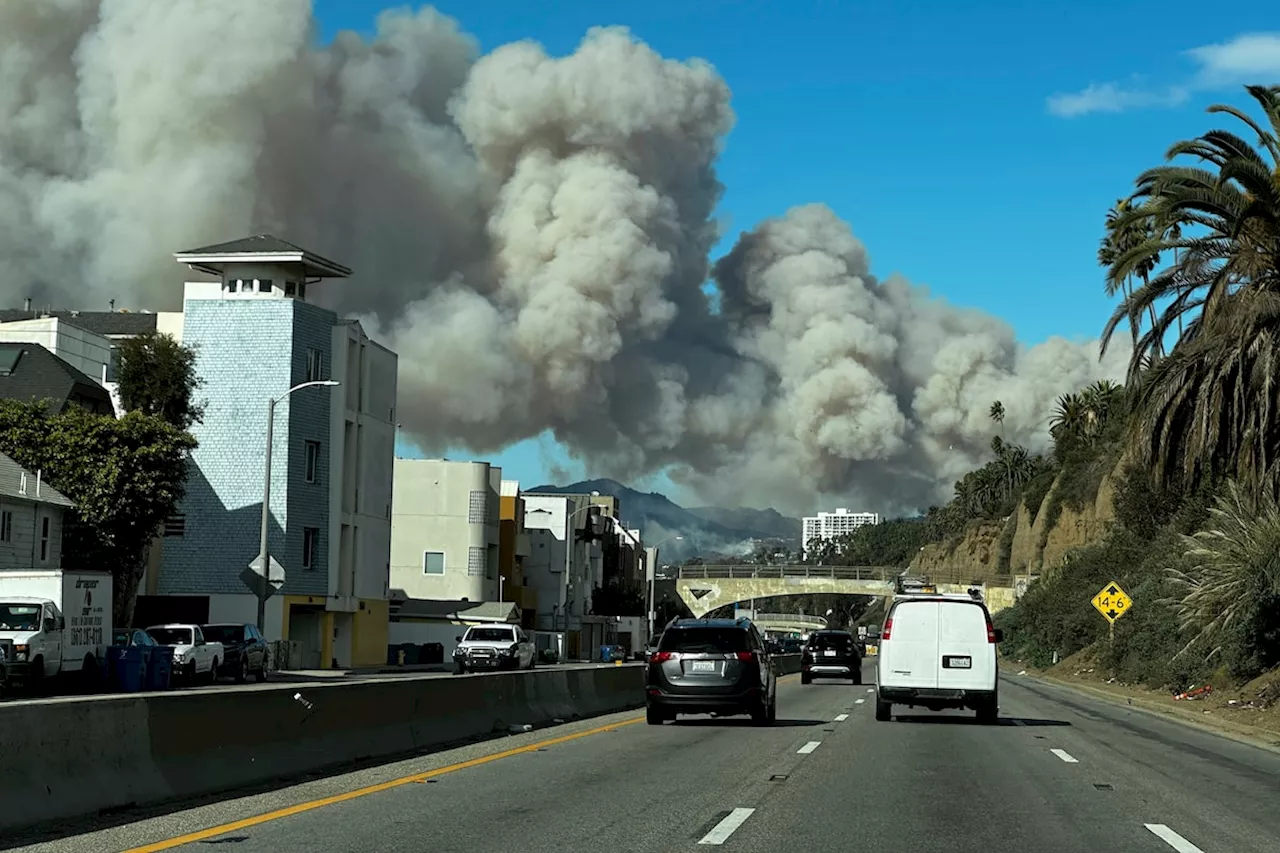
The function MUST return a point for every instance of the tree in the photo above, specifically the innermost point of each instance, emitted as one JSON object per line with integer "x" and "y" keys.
{"x": 158, "y": 377}
{"x": 1206, "y": 409}
{"x": 125, "y": 477}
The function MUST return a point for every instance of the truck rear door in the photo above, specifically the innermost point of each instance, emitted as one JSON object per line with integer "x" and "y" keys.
{"x": 909, "y": 650}
{"x": 967, "y": 657}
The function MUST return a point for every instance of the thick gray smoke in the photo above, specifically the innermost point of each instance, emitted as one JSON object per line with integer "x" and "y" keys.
{"x": 530, "y": 233}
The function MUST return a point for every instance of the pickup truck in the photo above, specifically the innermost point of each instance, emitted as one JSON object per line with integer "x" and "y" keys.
{"x": 193, "y": 656}
{"x": 489, "y": 647}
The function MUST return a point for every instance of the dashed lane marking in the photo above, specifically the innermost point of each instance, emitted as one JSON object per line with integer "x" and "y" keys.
{"x": 840, "y": 718}
{"x": 1173, "y": 839}
{"x": 722, "y": 830}
{"x": 1064, "y": 755}
{"x": 859, "y": 701}
{"x": 809, "y": 747}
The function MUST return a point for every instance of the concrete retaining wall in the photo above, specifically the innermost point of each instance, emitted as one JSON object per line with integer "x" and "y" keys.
{"x": 78, "y": 756}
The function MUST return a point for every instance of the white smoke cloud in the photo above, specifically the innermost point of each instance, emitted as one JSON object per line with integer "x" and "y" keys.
{"x": 530, "y": 233}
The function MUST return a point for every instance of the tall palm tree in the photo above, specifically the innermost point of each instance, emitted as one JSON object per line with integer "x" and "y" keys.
{"x": 1123, "y": 233}
{"x": 1211, "y": 405}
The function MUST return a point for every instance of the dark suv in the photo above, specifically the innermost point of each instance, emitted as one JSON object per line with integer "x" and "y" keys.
{"x": 831, "y": 654}
{"x": 711, "y": 666}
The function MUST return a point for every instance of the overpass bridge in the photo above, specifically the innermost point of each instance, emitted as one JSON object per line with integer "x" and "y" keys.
{"x": 706, "y": 588}
{"x": 789, "y": 622}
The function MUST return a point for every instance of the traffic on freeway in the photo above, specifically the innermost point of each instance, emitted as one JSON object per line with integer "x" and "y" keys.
{"x": 1059, "y": 771}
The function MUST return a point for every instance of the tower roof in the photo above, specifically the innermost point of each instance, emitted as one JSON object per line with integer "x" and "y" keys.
{"x": 259, "y": 249}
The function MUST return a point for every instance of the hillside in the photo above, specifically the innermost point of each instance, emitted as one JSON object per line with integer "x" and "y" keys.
{"x": 706, "y": 530}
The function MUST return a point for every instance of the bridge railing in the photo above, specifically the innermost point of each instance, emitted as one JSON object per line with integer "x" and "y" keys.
{"x": 789, "y": 619}
{"x": 856, "y": 573}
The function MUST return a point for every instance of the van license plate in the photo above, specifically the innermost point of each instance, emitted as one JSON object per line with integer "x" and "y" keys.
{"x": 704, "y": 666}
{"x": 956, "y": 662}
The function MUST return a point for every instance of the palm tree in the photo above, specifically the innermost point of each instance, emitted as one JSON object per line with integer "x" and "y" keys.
{"x": 1233, "y": 568}
{"x": 997, "y": 414}
{"x": 1210, "y": 405}
{"x": 1123, "y": 233}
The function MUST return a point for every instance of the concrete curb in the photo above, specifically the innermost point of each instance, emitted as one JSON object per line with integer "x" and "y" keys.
{"x": 88, "y": 755}
{"x": 1239, "y": 732}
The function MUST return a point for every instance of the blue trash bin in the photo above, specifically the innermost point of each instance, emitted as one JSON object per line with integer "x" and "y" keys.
{"x": 160, "y": 669}
{"x": 128, "y": 669}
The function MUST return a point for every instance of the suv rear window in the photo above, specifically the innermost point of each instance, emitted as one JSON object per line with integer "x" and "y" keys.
{"x": 704, "y": 640}
{"x": 830, "y": 641}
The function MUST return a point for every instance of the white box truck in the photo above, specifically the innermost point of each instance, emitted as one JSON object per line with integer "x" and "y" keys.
{"x": 54, "y": 623}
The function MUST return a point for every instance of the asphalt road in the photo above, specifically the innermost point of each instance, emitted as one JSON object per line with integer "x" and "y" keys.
{"x": 1062, "y": 772}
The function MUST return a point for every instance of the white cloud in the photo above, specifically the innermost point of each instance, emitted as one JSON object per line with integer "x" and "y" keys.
{"x": 1247, "y": 58}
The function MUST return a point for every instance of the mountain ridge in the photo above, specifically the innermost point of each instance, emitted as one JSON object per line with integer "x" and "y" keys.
{"x": 703, "y": 530}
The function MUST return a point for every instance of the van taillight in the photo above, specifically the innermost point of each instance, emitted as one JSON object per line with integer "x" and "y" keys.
{"x": 991, "y": 632}
{"x": 660, "y": 657}
{"x": 884, "y": 632}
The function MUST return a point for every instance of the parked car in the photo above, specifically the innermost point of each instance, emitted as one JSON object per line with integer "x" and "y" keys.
{"x": 830, "y": 654}
{"x": 244, "y": 649}
{"x": 711, "y": 666}
{"x": 938, "y": 651}
{"x": 491, "y": 647}
{"x": 193, "y": 656}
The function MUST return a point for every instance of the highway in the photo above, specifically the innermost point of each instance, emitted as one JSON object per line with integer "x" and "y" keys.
{"x": 1061, "y": 772}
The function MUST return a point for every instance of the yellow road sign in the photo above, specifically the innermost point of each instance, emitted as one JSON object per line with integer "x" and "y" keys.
{"x": 1112, "y": 602}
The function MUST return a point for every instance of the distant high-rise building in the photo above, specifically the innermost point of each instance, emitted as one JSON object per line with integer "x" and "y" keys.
{"x": 830, "y": 525}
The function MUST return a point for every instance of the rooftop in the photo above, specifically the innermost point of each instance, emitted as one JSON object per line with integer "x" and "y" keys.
{"x": 12, "y": 476}
{"x": 259, "y": 249}
{"x": 29, "y": 372}
{"x": 107, "y": 323}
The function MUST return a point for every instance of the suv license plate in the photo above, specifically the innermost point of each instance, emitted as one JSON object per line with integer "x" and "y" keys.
{"x": 703, "y": 666}
{"x": 954, "y": 662}
{"x": 829, "y": 653}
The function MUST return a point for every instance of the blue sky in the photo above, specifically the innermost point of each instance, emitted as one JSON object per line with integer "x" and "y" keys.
{"x": 932, "y": 127}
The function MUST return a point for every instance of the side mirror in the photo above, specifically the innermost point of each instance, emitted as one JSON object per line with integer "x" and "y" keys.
{"x": 458, "y": 639}
{"x": 999, "y": 632}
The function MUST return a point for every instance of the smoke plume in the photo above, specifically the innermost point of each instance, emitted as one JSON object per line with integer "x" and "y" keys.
{"x": 530, "y": 233}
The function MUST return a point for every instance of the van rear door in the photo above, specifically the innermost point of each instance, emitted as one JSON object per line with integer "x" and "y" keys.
{"x": 909, "y": 655}
{"x": 966, "y": 658}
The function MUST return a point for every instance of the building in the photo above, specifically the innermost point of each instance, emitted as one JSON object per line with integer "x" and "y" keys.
{"x": 444, "y": 530}
{"x": 31, "y": 373}
{"x": 31, "y": 513}
{"x": 257, "y": 337}
{"x": 88, "y": 340}
{"x": 832, "y": 525}
{"x": 513, "y": 548}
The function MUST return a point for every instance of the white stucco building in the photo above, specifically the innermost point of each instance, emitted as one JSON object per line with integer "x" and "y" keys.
{"x": 831, "y": 525}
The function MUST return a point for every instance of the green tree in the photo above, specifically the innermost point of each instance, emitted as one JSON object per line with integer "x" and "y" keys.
{"x": 125, "y": 477}
{"x": 158, "y": 377}
{"x": 1206, "y": 408}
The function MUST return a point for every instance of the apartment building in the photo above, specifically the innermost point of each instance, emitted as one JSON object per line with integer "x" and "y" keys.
{"x": 832, "y": 525}
{"x": 257, "y": 338}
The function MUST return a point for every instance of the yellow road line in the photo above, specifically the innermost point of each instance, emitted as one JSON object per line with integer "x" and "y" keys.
{"x": 300, "y": 808}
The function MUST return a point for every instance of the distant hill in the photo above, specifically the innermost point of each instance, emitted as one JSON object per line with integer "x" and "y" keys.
{"x": 705, "y": 530}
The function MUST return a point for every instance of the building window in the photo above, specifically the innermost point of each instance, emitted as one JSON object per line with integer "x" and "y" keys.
{"x": 290, "y": 288}
{"x": 313, "y": 365}
{"x": 313, "y": 460}
{"x": 233, "y": 285}
{"x": 264, "y": 285}
{"x": 310, "y": 547}
{"x": 44, "y": 539}
{"x": 6, "y": 526}
{"x": 433, "y": 562}
{"x": 477, "y": 508}
{"x": 175, "y": 525}
{"x": 476, "y": 562}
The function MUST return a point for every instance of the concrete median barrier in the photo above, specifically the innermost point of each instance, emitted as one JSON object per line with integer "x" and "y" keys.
{"x": 787, "y": 664}
{"x": 73, "y": 757}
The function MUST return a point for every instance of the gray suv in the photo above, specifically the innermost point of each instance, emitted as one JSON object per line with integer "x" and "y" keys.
{"x": 711, "y": 666}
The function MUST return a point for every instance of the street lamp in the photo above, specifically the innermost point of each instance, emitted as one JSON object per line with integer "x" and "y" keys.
{"x": 652, "y": 572}
{"x": 263, "y": 553}
{"x": 568, "y": 553}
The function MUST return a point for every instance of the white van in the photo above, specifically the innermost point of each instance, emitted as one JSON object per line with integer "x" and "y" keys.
{"x": 938, "y": 651}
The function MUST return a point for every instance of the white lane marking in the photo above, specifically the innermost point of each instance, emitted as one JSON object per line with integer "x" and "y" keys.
{"x": 808, "y": 747}
{"x": 720, "y": 834}
{"x": 840, "y": 718}
{"x": 858, "y": 701}
{"x": 871, "y": 690}
{"x": 1065, "y": 756}
{"x": 1173, "y": 839}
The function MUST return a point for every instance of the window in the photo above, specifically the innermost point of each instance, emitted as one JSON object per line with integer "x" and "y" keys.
{"x": 44, "y": 539}
{"x": 433, "y": 562}
{"x": 313, "y": 365}
{"x": 290, "y": 288}
{"x": 310, "y": 547}
{"x": 113, "y": 364}
{"x": 233, "y": 285}
{"x": 704, "y": 640}
{"x": 264, "y": 285}
{"x": 175, "y": 525}
{"x": 313, "y": 460}
{"x": 6, "y": 526}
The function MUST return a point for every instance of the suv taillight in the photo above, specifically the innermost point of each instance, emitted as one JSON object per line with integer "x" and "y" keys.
{"x": 660, "y": 657}
{"x": 747, "y": 656}
{"x": 884, "y": 633}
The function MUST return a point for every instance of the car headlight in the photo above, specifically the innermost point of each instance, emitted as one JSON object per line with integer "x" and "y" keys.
{"x": 19, "y": 653}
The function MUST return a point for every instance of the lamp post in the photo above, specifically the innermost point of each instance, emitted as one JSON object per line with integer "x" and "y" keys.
{"x": 263, "y": 553}
{"x": 652, "y": 573}
{"x": 568, "y": 554}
